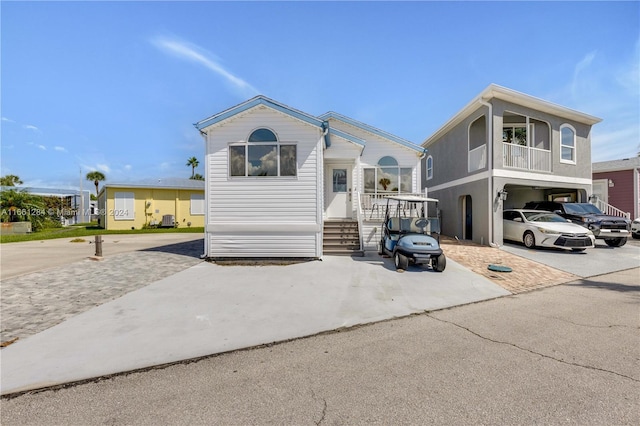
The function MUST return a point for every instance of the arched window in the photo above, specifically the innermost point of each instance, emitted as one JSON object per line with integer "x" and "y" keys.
{"x": 429, "y": 167}
{"x": 262, "y": 155}
{"x": 567, "y": 144}
{"x": 388, "y": 178}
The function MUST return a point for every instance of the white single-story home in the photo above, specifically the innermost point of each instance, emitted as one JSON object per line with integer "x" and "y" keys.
{"x": 281, "y": 183}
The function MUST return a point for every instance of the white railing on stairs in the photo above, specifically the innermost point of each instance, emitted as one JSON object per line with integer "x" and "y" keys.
{"x": 610, "y": 210}
{"x": 360, "y": 216}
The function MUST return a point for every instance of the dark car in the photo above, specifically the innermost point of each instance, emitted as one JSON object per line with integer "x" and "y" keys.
{"x": 613, "y": 230}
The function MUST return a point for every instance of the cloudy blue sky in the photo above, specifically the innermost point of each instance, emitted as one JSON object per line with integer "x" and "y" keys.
{"x": 117, "y": 86}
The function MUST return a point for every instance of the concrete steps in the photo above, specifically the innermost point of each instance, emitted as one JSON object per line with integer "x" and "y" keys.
{"x": 341, "y": 237}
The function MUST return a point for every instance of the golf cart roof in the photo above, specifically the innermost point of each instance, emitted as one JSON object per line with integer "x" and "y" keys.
{"x": 412, "y": 199}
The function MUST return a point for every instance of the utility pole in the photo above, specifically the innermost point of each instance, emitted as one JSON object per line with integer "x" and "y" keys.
{"x": 81, "y": 207}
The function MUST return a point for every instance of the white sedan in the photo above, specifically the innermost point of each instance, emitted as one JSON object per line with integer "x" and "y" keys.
{"x": 545, "y": 229}
{"x": 635, "y": 228}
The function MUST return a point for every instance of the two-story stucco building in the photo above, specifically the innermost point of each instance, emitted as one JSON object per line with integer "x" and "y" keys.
{"x": 503, "y": 149}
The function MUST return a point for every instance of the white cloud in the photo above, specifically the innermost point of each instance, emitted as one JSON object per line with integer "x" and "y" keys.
{"x": 580, "y": 67}
{"x": 31, "y": 127}
{"x": 60, "y": 148}
{"x": 8, "y": 120}
{"x": 103, "y": 167}
{"x": 198, "y": 55}
{"x": 42, "y": 147}
{"x": 128, "y": 167}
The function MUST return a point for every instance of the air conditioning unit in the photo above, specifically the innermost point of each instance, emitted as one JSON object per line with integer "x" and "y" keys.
{"x": 168, "y": 220}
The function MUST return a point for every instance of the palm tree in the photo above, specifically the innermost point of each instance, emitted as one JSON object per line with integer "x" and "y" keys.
{"x": 193, "y": 162}
{"x": 10, "y": 180}
{"x": 96, "y": 177}
{"x": 197, "y": 176}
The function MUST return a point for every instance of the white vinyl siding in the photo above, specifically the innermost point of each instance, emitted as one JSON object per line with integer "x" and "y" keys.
{"x": 124, "y": 206}
{"x": 243, "y": 213}
{"x": 197, "y": 204}
{"x": 378, "y": 147}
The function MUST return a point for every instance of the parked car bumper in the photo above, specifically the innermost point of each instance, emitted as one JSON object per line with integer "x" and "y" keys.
{"x": 420, "y": 257}
{"x": 602, "y": 233}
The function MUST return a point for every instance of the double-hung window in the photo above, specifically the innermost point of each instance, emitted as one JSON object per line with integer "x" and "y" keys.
{"x": 262, "y": 155}
{"x": 567, "y": 144}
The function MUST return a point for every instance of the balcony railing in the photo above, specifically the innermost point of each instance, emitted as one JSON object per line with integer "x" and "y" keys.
{"x": 477, "y": 158}
{"x": 526, "y": 158}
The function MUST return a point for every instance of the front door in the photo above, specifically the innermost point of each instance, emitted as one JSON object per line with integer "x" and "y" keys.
{"x": 338, "y": 184}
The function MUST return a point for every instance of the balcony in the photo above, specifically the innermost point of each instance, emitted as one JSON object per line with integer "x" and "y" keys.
{"x": 520, "y": 157}
{"x": 477, "y": 158}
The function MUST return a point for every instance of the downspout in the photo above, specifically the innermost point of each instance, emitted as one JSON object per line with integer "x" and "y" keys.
{"x": 320, "y": 197}
{"x": 489, "y": 167}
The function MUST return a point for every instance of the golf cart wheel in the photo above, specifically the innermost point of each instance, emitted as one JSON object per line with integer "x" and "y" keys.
{"x": 400, "y": 260}
{"x": 381, "y": 248}
{"x": 439, "y": 263}
{"x": 615, "y": 242}
{"x": 529, "y": 240}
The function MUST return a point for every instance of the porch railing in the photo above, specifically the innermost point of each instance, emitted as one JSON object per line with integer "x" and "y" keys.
{"x": 610, "y": 210}
{"x": 526, "y": 158}
{"x": 477, "y": 158}
{"x": 373, "y": 205}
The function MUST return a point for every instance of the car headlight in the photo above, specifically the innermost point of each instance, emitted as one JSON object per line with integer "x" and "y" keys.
{"x": 545, "y": 230}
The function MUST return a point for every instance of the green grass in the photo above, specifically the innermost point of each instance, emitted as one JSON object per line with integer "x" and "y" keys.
{"x": 87, "y": 231}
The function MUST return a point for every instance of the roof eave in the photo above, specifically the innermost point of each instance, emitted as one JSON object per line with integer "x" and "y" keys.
{"x": 373, "y": 130}
{"x": 254, "y": 102}
{"x": 503, "y": 93}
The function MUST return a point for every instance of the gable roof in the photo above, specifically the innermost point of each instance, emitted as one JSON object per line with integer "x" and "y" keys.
{"x": 373, "y": 130}
{"x": 256, "y": 101}
{"x": 493, "y": 91}
{"x": 616, "y": 165}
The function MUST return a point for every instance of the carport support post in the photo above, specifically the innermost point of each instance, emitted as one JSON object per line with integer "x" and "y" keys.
{"x": 98, "y": 245}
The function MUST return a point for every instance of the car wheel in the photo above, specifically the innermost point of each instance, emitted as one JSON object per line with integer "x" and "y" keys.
{"x": 615, "y": 242}
{"x": 439, "y": 263}
{"x": 636, "y": 236}
{"x": 529, "y": 240}
{"x": 401, "y": 261}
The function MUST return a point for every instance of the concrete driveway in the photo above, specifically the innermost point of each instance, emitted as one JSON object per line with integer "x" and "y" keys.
{"x": 597, "y": 261}
{"x": 31, "y": 256}
{"x": 210, "y": 308}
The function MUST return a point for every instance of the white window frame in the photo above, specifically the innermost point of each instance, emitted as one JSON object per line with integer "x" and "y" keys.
{"x": 399, "y": 168}
{"x": 197, "y": 206}
{"x": 124, "y": 206}
{"x": 246, "y": 144}
{"x": 429, "y": 167}
{"x": 530, "y": 132}
{"x": 573, "y": 148}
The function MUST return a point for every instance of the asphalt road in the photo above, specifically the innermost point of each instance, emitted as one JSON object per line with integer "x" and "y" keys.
{"x": 568, "y": 354}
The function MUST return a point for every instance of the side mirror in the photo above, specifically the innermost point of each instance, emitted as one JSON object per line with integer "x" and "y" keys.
{"x": 517, "y": 219}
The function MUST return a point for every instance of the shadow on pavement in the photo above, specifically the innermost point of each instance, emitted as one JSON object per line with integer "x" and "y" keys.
{"x": 188, "y": 248}
{"x": 623, "y": 288}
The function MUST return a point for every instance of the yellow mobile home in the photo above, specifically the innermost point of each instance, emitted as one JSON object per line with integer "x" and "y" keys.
{"x": 162, "y": 202}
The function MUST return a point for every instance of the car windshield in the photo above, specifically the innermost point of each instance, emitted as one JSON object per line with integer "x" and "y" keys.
{"x": 543, "y": 217}
{"x": 581, "y": 208}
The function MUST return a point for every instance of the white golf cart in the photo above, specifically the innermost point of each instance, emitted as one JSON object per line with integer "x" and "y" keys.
{"x": 410, "y": 235}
